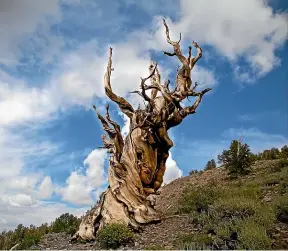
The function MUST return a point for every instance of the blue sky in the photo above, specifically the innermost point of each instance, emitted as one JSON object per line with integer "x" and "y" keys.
{"x": 52, "y": 60}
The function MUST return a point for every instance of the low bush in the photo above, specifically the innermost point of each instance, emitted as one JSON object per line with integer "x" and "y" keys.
{"x": 228, "y": 217}
{"x": 281, "y": 208}
{"x": 252, "y": 236}
{"x": 195, "y": 241}
{"x": 114, "y": 235}
{"x": 67, "y": 223}
{"x": 232, "y": 207}
{"x": 283, "y": 163}
{"x": 197, "y": 199}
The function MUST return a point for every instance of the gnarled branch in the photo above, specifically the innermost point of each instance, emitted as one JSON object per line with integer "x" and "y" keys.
{"x": 192, "y": 109}
{"x": 155, "y": 78}
{"x": 123, "y": 104}
{"x": 198, "y": 56}
{"x": 116, "y": 140}
{"x": 176, "y": 46}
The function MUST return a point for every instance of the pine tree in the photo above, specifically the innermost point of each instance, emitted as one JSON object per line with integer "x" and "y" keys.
{"x": 284, "y": 152}
{"x": 211, "y": 164}
{"x": 237, "y": 159}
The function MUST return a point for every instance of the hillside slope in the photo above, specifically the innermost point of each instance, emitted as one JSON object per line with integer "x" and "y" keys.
{"x": 209, "y": 210}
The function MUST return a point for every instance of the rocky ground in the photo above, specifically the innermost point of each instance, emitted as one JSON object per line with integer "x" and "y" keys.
{"x": 155, "y": 236}
{"x": 162, "y": 235}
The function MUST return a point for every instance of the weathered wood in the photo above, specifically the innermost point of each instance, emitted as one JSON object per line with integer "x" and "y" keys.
{"x": 137, "y": 163}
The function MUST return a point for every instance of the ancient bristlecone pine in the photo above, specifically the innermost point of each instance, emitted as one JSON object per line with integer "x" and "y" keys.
{"x": 137, "y": 163}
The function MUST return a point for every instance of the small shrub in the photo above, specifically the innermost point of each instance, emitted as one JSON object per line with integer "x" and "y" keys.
{"x": 114, "y": 235}
{"x": 283, "y": 187}
{"x": 197, "y": 200}
{"x": 232, "y": 207}
{"x": 271, "y": 154}
{"x": 283, "y": 163}
{"x": 281, "y": 208}
{"x": 284, "y": 151}
{"x": 252, "y": 236}
{"x": 194, "y": 241}
{"x": 249, "y": 190}
{"x": 270, "y": 181}
{"x": 29, "y": 240}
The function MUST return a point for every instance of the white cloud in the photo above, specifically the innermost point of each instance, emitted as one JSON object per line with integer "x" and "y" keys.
{"x": 36, "y": 214}
{"x": 18, "y": 185}
{"x": 82, "y": 77}
{"x": 257, "y": 139}
{"x": 172, "y": 170}
{"x": 252, "y": 117}
{"x": 24, "y": 184}
{"x": 204, "y": 77}
{"x": 46, "y": 188}
{"x": 254, "y": 137}
{"x": 95, "y": 167}
{"x": 20, "y": 19}
{"x": 247, "y": 29}
{"x": 126, "y": 127}
{"x": 19, "y": 200}
{"x": 79, "y": 186}
{"x": 21, "y": 104}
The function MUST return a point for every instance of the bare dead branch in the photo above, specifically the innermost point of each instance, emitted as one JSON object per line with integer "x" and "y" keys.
{"x": 198, "y": 56}
{"x": 168, "y": 35}
{"x": 113, "y": 123}
{"x": 166, "y": 84}
{"x": 179, "y": 38}
{"x": 152, "y": 69}
{"x": 123, "y": 104}
{"x": 116, "y": 140}
{"x": 15, "y": 246}
{"x": 176, "y": 46}
{"x": 155, "y": 78}
{"x": 189, "y": 54}
{"x": 145, "y": 87}
{"x": 108, "y": 144}
{"x": 194, "y": 87}
{"x": 169, "y": 53}
{"x": 192, "y": 109}
{"x": 111, "y": 132}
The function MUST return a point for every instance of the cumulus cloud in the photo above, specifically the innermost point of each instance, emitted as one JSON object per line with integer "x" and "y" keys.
{"x": 22, "y": 104}
{"x": 46, "y": 188}
{"x": 79, "y": 186}
{"x": 19, "y": 20}
{"x": 248, "y": 30}
{"x": 172, "y": 170}
{"x": 258, "y": 141}
{"x": 36, "y": 214}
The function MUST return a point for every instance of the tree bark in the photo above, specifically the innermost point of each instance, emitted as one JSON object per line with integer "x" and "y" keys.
{"x": 137, "y": 163}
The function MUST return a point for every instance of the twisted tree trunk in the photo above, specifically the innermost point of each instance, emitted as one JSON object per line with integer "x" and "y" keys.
{"x": 137, "y": 163}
